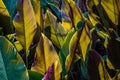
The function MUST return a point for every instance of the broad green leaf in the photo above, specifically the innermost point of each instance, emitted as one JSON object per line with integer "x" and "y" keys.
{"x": 11, "y": 6}
{"x": 96, "y": 67}
{"x": 25, "y": 23}
{"x": 35, "y": 75}
{"x": 64, "y": 51}
{"x": 12, "y": 66}
{"x": 54, "y": 30}
{"x": 45, "y": 56}
{"x": 5, "y": 22}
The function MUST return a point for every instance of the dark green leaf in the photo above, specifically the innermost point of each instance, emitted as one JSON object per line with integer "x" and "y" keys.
{"x": 35, "y": 75}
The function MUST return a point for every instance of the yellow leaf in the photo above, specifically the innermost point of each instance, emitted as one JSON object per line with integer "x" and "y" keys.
{"x": 54, "y": 30}
{"x": 84, "y": 41}
{"x": 3, "y": 9}
{"x": 25, "y": 23}
{"x": 111, "y": 9}
{"x": 75, "y": 12}
{"x": 67, "y": 25}
{"x": 18, "y": 46}
{"x": 72, "y": 46}
{"x": 38, "y": 13}
{"x": 80, "y": 40}
{"x": 93, "y": 17}
{"x": 103, "y": 72}
{"x": 109, "y": 64}
{"x": 45, "y": 56}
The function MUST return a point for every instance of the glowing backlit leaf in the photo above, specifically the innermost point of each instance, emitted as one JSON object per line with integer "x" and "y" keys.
{"x": 45, "y": 56}
{"x": 25, "y": 23}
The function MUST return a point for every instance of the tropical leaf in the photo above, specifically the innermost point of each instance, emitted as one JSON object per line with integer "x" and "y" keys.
{"x": 66, "y": 22}
{"x": 111, "y": 8}
{"x": 55, "y": 11}
{"x": 3, "y": 9}
{"x": 5, "y": 22}
{"x": 25, "y": 24}
{"x": 79, "y": 44}
{"x": 96, "y": 67}
{"x": 35, "y": 75}
{"x": 45, "y": 56}
{"x": 11, "y": 7}
{"x": 101, "y": 11}
{"x": 72, "y": 47}
{"x": 37, "y": 10}
{"x": 64, "y": 51}
{"x": 11, "y": 62}
{"x": 75, "y": 13}
{"x": 50, "y": 4}
{"x": 53, "y": 30}
{"x": 85, "y": 40}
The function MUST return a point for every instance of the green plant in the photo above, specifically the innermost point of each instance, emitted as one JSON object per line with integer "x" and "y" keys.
{"x": 59, "y": 40}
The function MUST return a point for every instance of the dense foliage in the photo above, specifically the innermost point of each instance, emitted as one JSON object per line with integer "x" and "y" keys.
{"x": 59, "y": 40}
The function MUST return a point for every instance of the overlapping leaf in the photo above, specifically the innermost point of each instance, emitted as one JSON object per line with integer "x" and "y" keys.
{"x": 101, "y": 11}
{"x": 64, "y": 51}
{"x": 11, "y": 7}
{"x": 96, "y": 67}
{"x": 37, "y": 11}
{"x": 53, "y": 30}
{"x": 45, "y": 56}
{"x": 5, "y": 22}
{"x": 25, "y": 23}
{"x": 80, "y": 41}
{"x": 75, "y": 13}
{"x": 12, "y": 66}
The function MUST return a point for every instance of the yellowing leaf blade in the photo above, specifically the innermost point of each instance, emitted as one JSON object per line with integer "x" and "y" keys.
{"x": 25, "y": 23}
{"x": 45, "y": 56}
